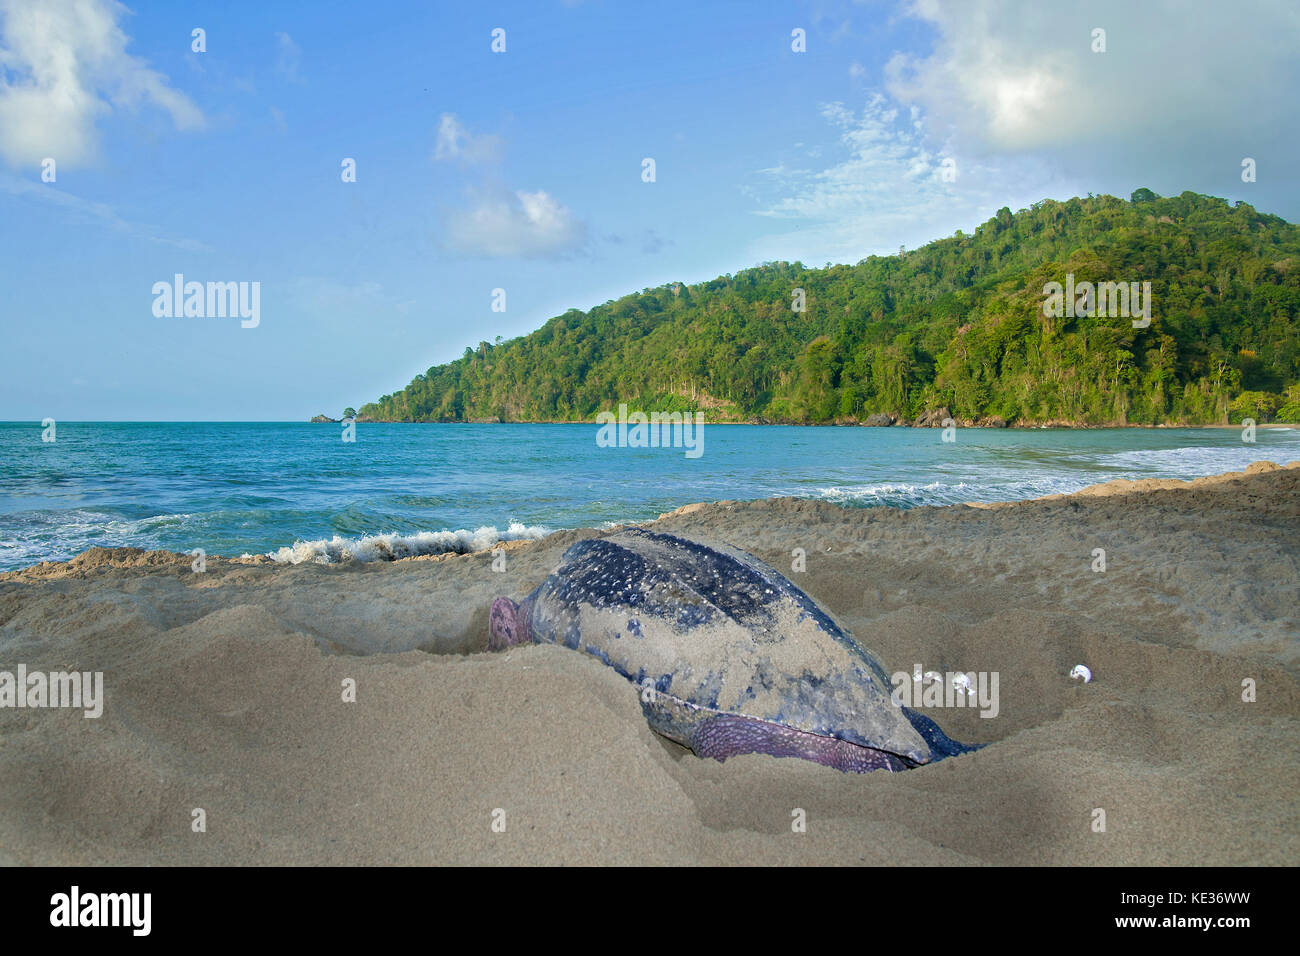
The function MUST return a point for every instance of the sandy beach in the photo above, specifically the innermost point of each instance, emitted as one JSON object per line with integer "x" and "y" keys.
{"x": 224, "y": 691}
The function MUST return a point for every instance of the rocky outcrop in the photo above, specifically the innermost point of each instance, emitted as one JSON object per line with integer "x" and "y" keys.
{"x": 879, "y": 420}
{"x": 324, "y": 419}
{"x": 933, "y": 418}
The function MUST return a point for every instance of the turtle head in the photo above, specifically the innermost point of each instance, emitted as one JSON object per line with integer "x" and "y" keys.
{"x": 507, "y": 625}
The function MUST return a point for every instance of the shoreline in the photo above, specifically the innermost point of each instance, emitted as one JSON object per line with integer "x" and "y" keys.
{"x": 960, "y": 423}
{"x": 1100, "y": 489}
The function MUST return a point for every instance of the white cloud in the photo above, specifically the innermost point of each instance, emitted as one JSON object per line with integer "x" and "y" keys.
{"x": 503, "y": 222}
{"x": 455, "y": 142}
{"x": 1014, "y": 93}
{"x": 288, "y": 57}
{"x": 525, "y": 224}
{"x": 886, "y": 189}
{"x": 63, "y": 65}
{"x": 1178, "y": 79}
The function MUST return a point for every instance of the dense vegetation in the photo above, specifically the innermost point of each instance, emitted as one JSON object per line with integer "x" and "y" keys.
{"x": 957, "y": 324}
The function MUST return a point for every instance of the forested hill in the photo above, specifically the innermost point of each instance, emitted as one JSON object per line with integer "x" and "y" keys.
{"x": 958, "y": 324}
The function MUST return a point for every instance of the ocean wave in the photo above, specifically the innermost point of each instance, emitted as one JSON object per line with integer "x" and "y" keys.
{"x": 85, "y": 520}
{"x": 47, "y": 535}
{"x": 890, "y": 493}
{"x": 1196, "y": 460}
{"x": 904, "y": 495}
{"x": 390, "y": 547}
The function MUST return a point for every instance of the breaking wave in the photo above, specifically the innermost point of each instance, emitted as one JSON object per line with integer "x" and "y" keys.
{"x": 905, "y": 495}
{"x": 390, "y": 547}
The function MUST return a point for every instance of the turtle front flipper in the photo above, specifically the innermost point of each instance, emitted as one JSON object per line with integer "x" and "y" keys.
{"x": 509, "y": 623}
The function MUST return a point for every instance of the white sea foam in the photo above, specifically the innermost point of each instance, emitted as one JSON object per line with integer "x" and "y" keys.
{"x": 59, "y": 536}
{"x": 1197, "y": 460}
{"x": 894, "y": 493}
{"x": 390, "y": 547}
{"x": 904, "y": 495}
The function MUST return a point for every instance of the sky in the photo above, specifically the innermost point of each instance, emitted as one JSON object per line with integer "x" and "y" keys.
{"x": 821, "y": 131}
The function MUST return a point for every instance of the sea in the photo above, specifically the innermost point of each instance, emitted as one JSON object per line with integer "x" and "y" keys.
{"x": 302, "y": 492}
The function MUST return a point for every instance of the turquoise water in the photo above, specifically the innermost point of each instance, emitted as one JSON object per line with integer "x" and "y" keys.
{"x": 239, "y": 488}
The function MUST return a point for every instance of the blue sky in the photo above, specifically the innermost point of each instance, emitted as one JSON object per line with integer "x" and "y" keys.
{"x": 522, "y": 170}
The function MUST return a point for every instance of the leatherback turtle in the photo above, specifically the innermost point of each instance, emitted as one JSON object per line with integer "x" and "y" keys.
{"x": 731, "y": 657}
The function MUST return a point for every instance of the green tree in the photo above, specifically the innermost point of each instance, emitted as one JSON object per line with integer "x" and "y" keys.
{"x": 959, "y": 322}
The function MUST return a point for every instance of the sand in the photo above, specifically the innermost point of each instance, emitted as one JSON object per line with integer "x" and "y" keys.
{"x": 224, "y": 692}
